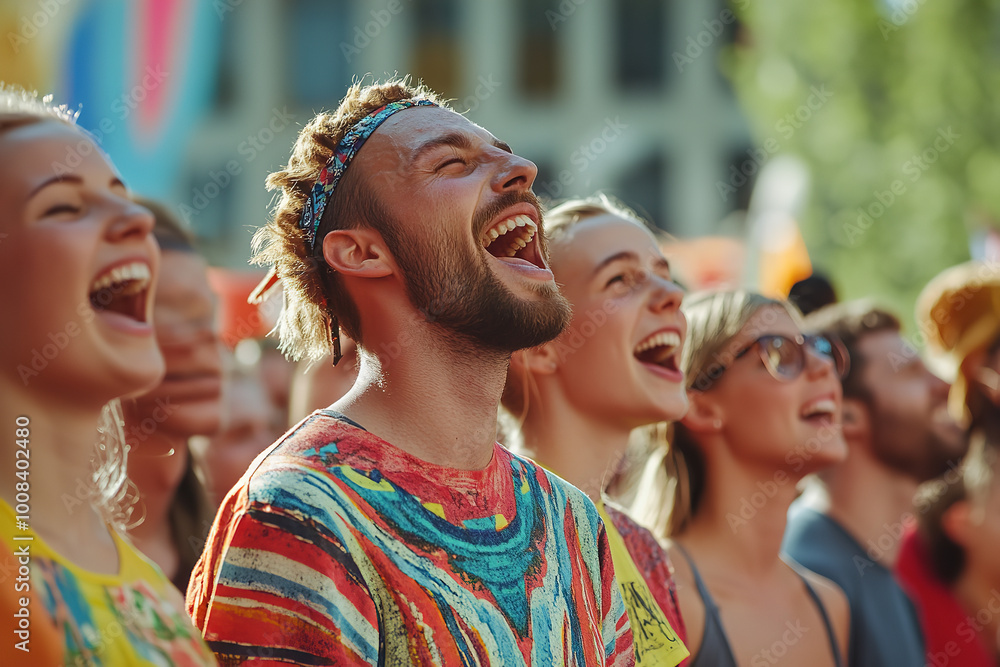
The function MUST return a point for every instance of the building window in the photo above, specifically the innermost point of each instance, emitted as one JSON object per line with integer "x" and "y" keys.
{"x": 538, "y": 53}
{"x": 642, "y": 186}
{"x": 323, "y": 50}
{"x": 741, "y": 175}
{"x": 641, "y": 53}
{"x": 437, "y": 55}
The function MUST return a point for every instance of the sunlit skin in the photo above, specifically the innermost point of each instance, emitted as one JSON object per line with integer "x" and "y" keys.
{"x": 316, "y": 386}
{"x": 751, "y": 429}
{"x": 187, "y": 403}
{"x": 436, "y": 173}
{"x": 589, "y": 389}
{"x": 902, "y": 438}
{"x": 60, "y": 236}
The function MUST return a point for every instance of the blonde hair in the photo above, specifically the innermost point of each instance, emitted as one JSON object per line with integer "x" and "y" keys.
{"x": 20, "y": 107}
{"x": 673, "y": 483}
{"x": 314, "y": 297}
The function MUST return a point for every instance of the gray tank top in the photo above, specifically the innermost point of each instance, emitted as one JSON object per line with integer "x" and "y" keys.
{"x": 715, "y": 650}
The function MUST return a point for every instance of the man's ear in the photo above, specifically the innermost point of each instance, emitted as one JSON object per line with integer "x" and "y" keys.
{"x": 541, "y": 360}
{"x": 357, "y": 252}
{"x": 856, "y": 420}
{"x": 704, "y": 414}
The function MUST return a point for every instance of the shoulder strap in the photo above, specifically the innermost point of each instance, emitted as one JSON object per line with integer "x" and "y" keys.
{"x": 837, "y": 660}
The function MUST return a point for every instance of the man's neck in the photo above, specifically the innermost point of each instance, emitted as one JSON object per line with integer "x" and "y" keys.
{"x": 870, "y": 501}
{"x": 433, "y": 402}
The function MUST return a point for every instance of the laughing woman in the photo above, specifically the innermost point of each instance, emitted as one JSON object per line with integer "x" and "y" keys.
{"x": 615, "y": 368}
{"x": 764, "y": 412}
{"x": 77, "y": 265}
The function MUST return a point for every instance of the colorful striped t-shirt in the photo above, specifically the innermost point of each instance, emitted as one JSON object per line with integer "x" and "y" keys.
{"x": 339, "y": 548}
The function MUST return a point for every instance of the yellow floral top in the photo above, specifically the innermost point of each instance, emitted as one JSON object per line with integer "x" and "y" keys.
{"x": 134, "y": 617}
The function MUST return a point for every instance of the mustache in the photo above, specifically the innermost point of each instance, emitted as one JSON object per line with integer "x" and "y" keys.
{"x": 488, "y": 213}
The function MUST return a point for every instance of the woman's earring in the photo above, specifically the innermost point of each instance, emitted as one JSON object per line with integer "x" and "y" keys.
{"x": 717, "y": 424}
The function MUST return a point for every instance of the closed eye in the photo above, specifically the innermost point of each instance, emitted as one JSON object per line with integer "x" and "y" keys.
{"x": 451, "y": 161}
{"x": 62, "y": 208}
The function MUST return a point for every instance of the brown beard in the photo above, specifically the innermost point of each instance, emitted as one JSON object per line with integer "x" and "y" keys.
{"x": 458, "y": 291}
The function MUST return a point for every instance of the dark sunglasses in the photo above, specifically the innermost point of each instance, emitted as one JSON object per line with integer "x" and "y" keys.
{"x": 785, "y": 358}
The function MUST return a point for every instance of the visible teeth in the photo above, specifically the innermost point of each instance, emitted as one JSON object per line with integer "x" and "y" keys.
{"x": 509, "y": 225}
{"x": 824, "y": 406}
{"x": 136, "y": 272}
{"x": 664, "y": 338}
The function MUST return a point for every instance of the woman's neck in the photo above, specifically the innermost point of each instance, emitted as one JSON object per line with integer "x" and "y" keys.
{"x": 581, "y": 448}
{"x": 742, "y": 515}
{"x": 59, "y": 450}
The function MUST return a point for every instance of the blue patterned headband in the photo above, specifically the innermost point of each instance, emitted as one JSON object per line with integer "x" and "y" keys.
{"x": 348, "y": 147}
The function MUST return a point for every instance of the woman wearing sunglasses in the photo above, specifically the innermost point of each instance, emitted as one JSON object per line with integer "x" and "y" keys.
{"x": 764, "y": 412}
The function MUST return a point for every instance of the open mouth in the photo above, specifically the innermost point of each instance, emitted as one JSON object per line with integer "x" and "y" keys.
{"x": 123, "y": 289}
{"x": 820, "y": 411}
{"x": 513, "y": 238}
{"x": 660, "y": 349}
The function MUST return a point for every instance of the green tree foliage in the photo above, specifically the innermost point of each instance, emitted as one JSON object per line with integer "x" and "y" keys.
{"x": 905, "y": 152}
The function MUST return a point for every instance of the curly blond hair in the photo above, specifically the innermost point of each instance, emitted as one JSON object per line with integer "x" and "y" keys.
{"x": 21, "y": 107}
{"x": 315, "y": 301}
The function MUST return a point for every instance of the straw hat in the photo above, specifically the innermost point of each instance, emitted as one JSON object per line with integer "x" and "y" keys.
{"x": 959, "y": 313}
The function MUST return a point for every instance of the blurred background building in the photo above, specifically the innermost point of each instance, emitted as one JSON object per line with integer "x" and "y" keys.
{"x": 682, "y": 108}
{"x": 590, "y": 90}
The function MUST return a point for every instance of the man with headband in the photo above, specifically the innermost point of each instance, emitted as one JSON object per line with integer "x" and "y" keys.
{"x": 390, "y": 528}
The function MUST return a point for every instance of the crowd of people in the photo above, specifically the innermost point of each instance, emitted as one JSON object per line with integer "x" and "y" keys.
{"x": 512, "y": 437}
